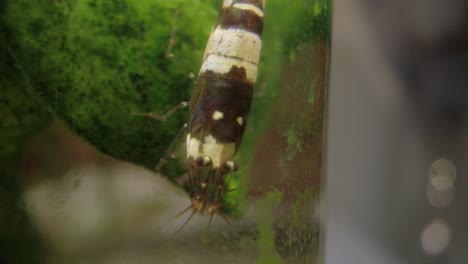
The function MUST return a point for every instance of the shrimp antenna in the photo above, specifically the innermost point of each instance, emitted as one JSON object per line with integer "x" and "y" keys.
{"x": 211, "y": 218}
{"x": 179, "y": 214}
{"x": 225, "y": 218}
{"x": 185, "y": 223}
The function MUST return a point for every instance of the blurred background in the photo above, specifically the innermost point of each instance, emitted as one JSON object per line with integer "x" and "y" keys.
{"x": 397, "y": 143}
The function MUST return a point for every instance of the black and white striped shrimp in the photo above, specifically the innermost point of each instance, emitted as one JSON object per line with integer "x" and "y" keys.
{"x": 220, "y": 105}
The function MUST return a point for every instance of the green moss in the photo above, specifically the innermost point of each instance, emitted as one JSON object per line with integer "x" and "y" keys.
{"x": 232, "y": 202}
{"x": 294, "y": 143}
{"x": 287, "y": 30}
{"x": 22, "y": 115}
{"x": 300, "y": 237}
{"x": 268, "y": 253}
{"x": 307, "y": 196}
{"x": 96, "y": 62}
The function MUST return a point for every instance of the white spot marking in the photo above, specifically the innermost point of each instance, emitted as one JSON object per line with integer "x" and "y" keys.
{"x": 236, "y": 43}
{"x": 218, "y": 152}
{"x": 240, "y": 120}
{"x": 230, "y": 164}
{"x": 223, "y": 65}
{"x": 193, "y": 146}
{"x": 217, "y": 115}
{"x": 206, "y": 160}
{"x": 244, "y": 6}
